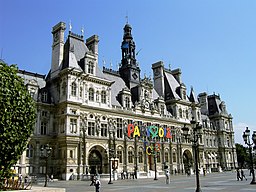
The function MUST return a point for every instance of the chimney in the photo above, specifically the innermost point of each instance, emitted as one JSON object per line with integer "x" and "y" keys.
{"x": 57, "y": 47}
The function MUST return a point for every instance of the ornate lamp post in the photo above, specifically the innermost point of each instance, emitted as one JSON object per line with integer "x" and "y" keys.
{"x": 111, "y": 153}
{"x": 155, "y": 156}
{"x": 246, "y": 137}
{"x": 196, "y": 133}
{"x": 45, "y": 154}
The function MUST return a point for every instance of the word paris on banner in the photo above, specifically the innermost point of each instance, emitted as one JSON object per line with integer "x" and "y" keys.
{"x": 151, "y": 132}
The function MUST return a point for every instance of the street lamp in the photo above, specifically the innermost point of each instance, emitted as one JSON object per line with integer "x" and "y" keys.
{"x": 111, "y": 153}
{"x": 246, "y": 137}
{"x": 45, "y": 154}
{"x": 196, "y": 133}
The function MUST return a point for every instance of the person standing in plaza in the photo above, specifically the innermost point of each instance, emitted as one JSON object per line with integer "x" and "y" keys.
{"x": 238, "y": 175}
{"x": 167, "y": 174}
{"x": 97, "y": 185}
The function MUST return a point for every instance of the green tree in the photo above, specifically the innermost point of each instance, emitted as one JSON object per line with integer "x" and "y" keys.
{"x": 242, "y": 155}
{"x": 17, "y": 118}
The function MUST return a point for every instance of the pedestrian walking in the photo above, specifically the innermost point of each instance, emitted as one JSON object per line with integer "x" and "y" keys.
{"x": 97, "y": 185}
{"x": 167, "y": 174}
{"x": 242, "y": 175}
{"x": 92, "y": 180}
{"x": 238, "y": 175}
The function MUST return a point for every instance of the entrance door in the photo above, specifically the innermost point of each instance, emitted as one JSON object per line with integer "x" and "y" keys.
{"x": 95, "y": 162}
{"x": 187, "y": 160}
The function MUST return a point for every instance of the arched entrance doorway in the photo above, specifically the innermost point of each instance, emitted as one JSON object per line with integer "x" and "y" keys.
{"x": 95, "y": 162}
{"x": 187, "y": 161}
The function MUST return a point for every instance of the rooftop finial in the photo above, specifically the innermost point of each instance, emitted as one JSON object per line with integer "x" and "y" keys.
{"x": 70, "y": 26}
{"x": 82, "y": 31}
{"x": 104, "y": 62}
{"x": 126, "y": 17}
{"x": 110, "y": 64}
{"x": 169, "y": 66}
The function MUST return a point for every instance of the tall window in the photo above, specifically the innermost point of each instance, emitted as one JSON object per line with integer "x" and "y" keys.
{"x": 104, "y": 130}
{"x": 119, "y": 128}
{"x": 90, "y": 67}
{"x": 81, "y": 91}
{"x": 187, "y": 114}
{"x": 43, "y": 128}
{"x": 91, "y": 128}
{"x": 127, "y": 102}
{"x": 140, "y": 153}
{"x": 174, "y": 159}
{"x": 73, "y": 125}
{"x": 180, "y": 112}
{"x": 120, "y": 156}
{"x": 63, "y": 88}
{"x": 29, "y": 152}
{"x": 162, "y": 109}
{"x": 44, "y": 96}
{"x": 130, "y": 157}
{"x": 103, "y": 97}
{"x": 91, "y": 94}
{"x": 166, "y": 157}
{"x": 73, "y": 89}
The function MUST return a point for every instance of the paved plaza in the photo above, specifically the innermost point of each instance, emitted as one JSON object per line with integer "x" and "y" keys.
{"x": 225, "y": 181}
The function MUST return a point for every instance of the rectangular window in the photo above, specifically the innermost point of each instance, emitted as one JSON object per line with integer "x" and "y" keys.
{"x": 91, "y": 128}
{"x": 130, "y": 157}
{"x": 90, "y": 67}
{"x": 104, "y": 130}
{"x": 43, "y": 128}
{"x": 44, "y": 113}
{"x": 73, "y": 125}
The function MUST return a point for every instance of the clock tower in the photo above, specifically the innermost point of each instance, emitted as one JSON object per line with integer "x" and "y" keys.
{"x": 129, "y": 70}
{"x": 57, "y": 47}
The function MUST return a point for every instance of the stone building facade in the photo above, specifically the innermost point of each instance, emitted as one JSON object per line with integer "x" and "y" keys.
{"x": 83, "y": 113}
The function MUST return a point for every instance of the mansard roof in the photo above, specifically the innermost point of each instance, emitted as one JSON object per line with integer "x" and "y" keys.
{"x": 173, "y": 84}
{"x": 116, "y": 87}
{"x": 74, "y": 50}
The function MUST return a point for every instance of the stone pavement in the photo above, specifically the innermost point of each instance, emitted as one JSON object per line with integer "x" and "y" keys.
{"x": 225, "y": 181}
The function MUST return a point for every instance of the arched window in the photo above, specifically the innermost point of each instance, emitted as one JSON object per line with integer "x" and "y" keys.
{"x": 73, "y": 89}
{"x": 91, "y": 94}
{"x": 103, "y": 97}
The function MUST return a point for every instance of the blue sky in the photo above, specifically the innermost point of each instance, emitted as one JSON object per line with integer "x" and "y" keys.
{"x": 212, "y": 41}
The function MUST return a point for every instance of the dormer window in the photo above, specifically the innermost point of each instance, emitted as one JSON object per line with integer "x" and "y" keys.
{"x": 73, "y": 89}
{"x": 127, "y": 102}
{"x": 44, "y": 96}
{"x": 90, "y": 67}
